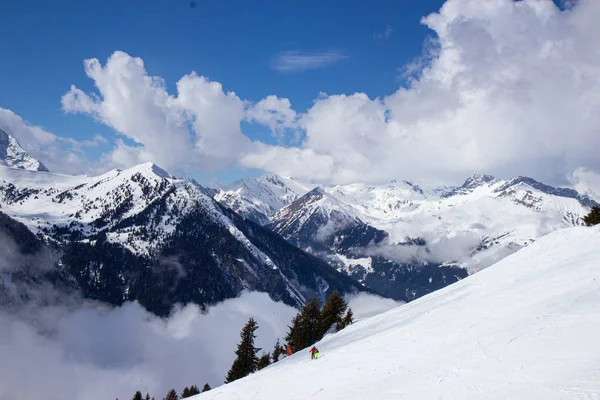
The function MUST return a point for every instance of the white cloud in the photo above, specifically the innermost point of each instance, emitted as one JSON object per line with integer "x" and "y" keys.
{"x": 294, "y": 60}
{"x": 57, "y": 153}
{"x": 274, "y": 112}
{"x": 94, "y": 353}
{"x": 197, "y": 130}
{"x": 512, "y": 90}
{"x": 587, "y": 182}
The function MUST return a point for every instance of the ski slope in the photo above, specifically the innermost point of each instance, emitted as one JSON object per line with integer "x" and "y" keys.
{"x": 526, "y": 328}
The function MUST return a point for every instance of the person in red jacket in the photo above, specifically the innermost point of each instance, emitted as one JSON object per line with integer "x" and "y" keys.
{"x": 314, "y": 353}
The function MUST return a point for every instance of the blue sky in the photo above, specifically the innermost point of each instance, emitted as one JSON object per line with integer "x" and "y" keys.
{"x": 496, "y": 97}
{"x": 235, "y": 43}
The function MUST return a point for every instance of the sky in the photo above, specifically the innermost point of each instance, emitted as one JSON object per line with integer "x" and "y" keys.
{"x": 334, "y": 92}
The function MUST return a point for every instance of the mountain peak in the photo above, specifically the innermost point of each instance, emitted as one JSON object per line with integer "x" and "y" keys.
{"x": 152, "y": 168}
{"x": 14, "y": 156}
{"x": 477, "y": 180}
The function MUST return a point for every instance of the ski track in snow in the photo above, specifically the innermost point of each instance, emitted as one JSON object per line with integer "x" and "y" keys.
{"x": 526, "y": 328}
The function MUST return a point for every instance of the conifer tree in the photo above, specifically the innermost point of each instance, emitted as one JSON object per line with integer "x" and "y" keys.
{"x": 148, "y": 396}
{"x": 263, "y": 361}
{"x": 332, "y": 313}
{"x": 311, "y": 316}
{"x": 593, "y": 218}
{"x": 194, "y": 390}
{"x": 172, "y": 395}
{"x": 185, "y": 393}
{"x": 137, "y": 396}
{"x": 246, "y": 360}
{"x": 305, "y": 327}
{"x": 277, "y": 351}
{"x": 206, "y": 388}
{"x": 293, "y": 337}
{"x": 347, "y": 320}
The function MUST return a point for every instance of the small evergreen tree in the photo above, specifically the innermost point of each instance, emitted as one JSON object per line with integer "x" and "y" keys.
{"x": 137, "y": 396}
{"x": 277, "y": 351}
{"x": 194, "y": 390}
{"x": 185, "y": 393}
{"x": 246, "y": 360}
{"x": 347, "y": 320}
{"x": 172, "y": 395}
{"x": 593, "y": 218}
{"x": 263, "y": 361}
{"x": 206, "y": 388}
{"x": 148, "y": 396}
{"x": 332, "y": 313}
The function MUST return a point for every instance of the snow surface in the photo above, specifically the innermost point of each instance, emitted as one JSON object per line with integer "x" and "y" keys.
{"x": 525, "y": 328}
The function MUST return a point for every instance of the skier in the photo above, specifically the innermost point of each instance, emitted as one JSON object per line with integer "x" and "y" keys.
{"x": 314, "y": 353}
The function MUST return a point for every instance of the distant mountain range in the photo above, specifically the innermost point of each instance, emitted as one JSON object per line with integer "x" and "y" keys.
{"x": 142, "y": 234}
{"x": 403, "y": 239}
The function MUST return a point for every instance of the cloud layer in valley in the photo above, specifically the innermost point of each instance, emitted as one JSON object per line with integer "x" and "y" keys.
{"x": 507, "y": 88}
{"x": 96, "y": 352}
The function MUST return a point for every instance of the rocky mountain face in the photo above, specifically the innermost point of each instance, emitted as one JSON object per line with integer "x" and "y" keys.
{"x": 140, "y": 234}
{"x": 406, "y": 240}
{"x": 13, "y": 155}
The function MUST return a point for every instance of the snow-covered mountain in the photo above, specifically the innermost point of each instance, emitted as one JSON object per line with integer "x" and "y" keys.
{"x": 406, "y": 240}
{"x": 525, "y": 328}
{"x": 13, "y": 155}
{"x": 142, "y": 234}
{"x": 258, "y": 199}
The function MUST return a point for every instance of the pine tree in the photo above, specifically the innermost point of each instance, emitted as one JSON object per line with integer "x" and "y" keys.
{"x": 206, "y": 388}
{"x": 311, "y": 316}
{"x": 263, "y": 361}
{"x": 347, "y": 320}
{"x": 172, "y": 395}
{"x": 277, "y": 351}
{"x": 194, "y": 390}
{"x": 246, "y": 360}
{"x": 137, "y": 396}
{"x": 332, "y": 312}
{"x": 148, "y": 396}
{"x": 304, "y": 331}
{"x": 293, "y": 337}
{"x": 593, "y": 218}
{"x": 185, "y": 393}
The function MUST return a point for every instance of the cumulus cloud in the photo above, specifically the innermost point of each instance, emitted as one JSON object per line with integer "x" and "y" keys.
{"x": 274, "y": 112}
{"x": 95, "y": 352}
{"x": 511, "y": 89}
{"x": 295, "y": 60}
{"x": 196, "y": 130}
{"x": 57, "y": 153}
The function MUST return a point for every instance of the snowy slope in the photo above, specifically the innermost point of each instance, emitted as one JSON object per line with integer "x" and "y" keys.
{"x": 525, "y": 328}
{"x": 14, "y": 156}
